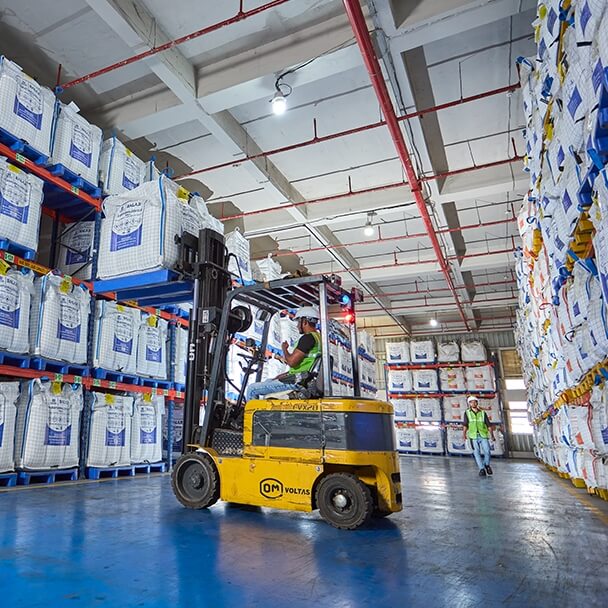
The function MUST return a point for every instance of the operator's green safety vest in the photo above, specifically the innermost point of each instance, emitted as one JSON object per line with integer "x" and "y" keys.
{"x": 477, "y": 424}
{"x": 306, "y": 364}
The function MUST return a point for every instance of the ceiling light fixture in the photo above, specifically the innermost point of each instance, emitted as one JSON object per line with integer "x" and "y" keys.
{"x": 433, "y": 322}
{"x": 279, "y": 103}
{"x": 369, "y": 229}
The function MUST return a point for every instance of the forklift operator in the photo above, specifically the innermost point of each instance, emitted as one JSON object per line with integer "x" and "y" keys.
{"x": 300, "y": 361}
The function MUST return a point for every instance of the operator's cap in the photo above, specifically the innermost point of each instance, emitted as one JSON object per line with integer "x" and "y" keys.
{"x": 472, "y": 398}
{"x": 307, "y": 312}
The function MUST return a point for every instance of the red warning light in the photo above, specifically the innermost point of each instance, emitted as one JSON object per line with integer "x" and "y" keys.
{"x": 349, "y": 317}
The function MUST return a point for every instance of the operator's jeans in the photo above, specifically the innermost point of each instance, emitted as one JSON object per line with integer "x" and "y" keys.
{"x": 259, "y": 389}
{"x": 481, "y": 444}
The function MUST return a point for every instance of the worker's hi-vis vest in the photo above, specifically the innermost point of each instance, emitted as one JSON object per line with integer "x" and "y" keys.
{"x": 477, "y": 424}
{"x": 310, "y": 358}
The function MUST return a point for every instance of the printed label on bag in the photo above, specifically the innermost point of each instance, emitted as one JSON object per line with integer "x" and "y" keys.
{"x": 147, "y": 431}
{"x": 59, "y": 424}
{"x": 131, "y": 174}
{"x": 153, "y": 345}
{"x": 191, "y": 220}
{"x": 15, "y": 196}
{"x": 115, "y": 428}
{"x": 80, "y": 244}
{"x": 574, "y": 102}
{"x": 10, "y": 301}
{"x": 123, "y": 334}
{"x": 127, "y": 226}
{"x": 68, "y": 325}
{"x": 2, "y": 408}
{"x": 430, "y": 444}
{"x": 81, "y": 144}
{"x": 28, "y": 102}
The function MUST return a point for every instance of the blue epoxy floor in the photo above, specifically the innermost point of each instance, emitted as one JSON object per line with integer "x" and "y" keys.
{"x": 523, "y": 538}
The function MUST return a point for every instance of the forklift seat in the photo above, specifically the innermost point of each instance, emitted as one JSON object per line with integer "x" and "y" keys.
{"x": 310, "y": 383}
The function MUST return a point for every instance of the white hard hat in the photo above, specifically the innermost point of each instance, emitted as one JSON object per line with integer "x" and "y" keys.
{"x": 471, "y": 398}
{"x": 307, "y": 312}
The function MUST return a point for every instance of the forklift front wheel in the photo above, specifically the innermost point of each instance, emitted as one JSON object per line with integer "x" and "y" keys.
{"x": 195, "y": 481}
{"x": 344, "y": 501}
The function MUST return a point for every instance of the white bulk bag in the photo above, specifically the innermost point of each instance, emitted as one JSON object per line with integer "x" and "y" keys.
{"x": 146, "y": 429}
{"x": 75, "y": 250}
{"x": 492, "y": 408}
{"x": 152, "y": 347}
{"x": 425, "y": 381}
{"x": 267, "y": 269}
{"x": 20, "y": 204}
{"x": 448, "y": 352}
{"x": 16, "y": 291}
{"x": 9, "y": 394}
{"x": 430, "y": 439}
{"x": 195, "y": 217}
{"x": 497, "y": 445}
{"x": 407, "y": 439}
{"x": 238, "y": 246}
{"x": 451, "y": 379}
{"x": 397, "y": 352}
{"x": 60, "y": 319}
{"x": 47, "y": 433}
{"x": 422, "y": 351}
{"x": 480, "y": 378}
{"x": 428, "y": 409}
{"x": 455, "y": 441}
{"x": 599, "y": 418}
{"x": 76, "y": 143}
{"x": 177, "y": 428}
{"x": 473, "y": 351}
{"x": 139, "y": 229}
{"x": 120, "y": 170}
{"x": 454, "y": 408}
{"x": 580, "y": 427}
{"x": 181, "y": 355}
{"x": 26, "y": 108}
{"x": 110, "y": 431}
{"x": 404, "y": 409}
{"x": 399, "y": 381}
{"x": 116, "y": 337}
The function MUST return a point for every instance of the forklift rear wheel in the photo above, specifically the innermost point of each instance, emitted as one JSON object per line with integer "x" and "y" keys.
{"x": 195, "y": 481}
{"x": 344, "y": 501}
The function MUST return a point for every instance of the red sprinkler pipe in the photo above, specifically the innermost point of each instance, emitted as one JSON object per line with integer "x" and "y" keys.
{"x": 240, "y": 16}
{"x": 438, "y": 305}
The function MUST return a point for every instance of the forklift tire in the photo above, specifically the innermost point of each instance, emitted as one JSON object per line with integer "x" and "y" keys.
{"x": 344, "y": 501}
{"x": 195, "y": 481}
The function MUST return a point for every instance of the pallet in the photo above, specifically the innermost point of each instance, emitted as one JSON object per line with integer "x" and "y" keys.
{"x": 126, "y": 471}
{"x": 112, "y": 376}
{"x": 431, "y": 453}
{"x": 14, "y": 360}
{"x": 22, "y": 147}
{"x": 75, "y": 180}
{"x": 8, "y": 480}
{"x": 11, "y": 247}
{"x": 154, "y": 383}
{"x": 28, "y": 478}
{"x": 151, "y": 467}
{"x": 58, "y": 367}
{"x": 180, "y": 388}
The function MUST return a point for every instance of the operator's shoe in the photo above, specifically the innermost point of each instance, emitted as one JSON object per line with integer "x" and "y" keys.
{"x": 489, "y": 470}
{"x": 482, "y": 472}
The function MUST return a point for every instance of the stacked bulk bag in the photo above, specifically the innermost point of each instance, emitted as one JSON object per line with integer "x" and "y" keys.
{"x": 116, "y": 337}
{"x": 399, "y": 381}
{"x": 110, "y": 431}
{"x": 120, "y": 170}
{"x": 9, "y": 394}
{"x": 430, "y": 440}
{"x": 59, "y": 324}
{"x": 451, "y": 379}
{"x": 491, "y": 408}
{"x": 424, "y": 381}
{"x": 26, "y": 108}
{"x": 47, "y": 432}
{"x": 196, "y": 217}
{"x": 146, "y": 427}
{"x": 139, "y": 229}
{"x": 404, "y": 409}
{"x": 267, "y": 269}
{"x": 599, "y": 418}
{"x": 456, "y": 443}
{"x": 428, "y": 409}
{"x": 177, "y": 428}
{"x": 76, "y": 144}
{"x": 448, "y": 352}
{"x": 480, "y": 378}
{"x": 152, "y": 347}
{"x": 76, "y": 250}
{"x": 20, "y": 204}
{"x": 397, "y": 352}
{"x": 497, "y": 445}
{"x": 422, "y": 351}
{"x": 239, "y": 263}
{"x": 473, "y": 351}
{"x": 407, "y": 439}
{"x": 16, "y": 289}
{"x": 181, "y": 355}
{"x": 454, "y": 408}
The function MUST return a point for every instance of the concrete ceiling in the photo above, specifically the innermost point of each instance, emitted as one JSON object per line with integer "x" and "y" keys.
{"x": 206, "y": 102}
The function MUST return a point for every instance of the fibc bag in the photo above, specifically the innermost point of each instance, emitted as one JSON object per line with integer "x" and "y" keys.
{"x": 9, "y": 394}
{"x": 119, "y": 168}
{"x": 75, "y": 250}
{"x": 152, "y": 347}
{"x": 146, "y": 429}
{"x": 15, "y": 298}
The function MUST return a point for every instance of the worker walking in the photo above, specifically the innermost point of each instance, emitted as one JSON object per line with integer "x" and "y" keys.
{"x": 477, "y": 430}
{"x": 300, "y": 360}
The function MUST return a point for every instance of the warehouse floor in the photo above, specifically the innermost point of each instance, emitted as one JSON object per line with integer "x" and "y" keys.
{"x": 522, "y": 538}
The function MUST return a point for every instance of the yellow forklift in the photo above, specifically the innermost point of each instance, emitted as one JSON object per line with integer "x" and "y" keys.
{"x": 301, "y": 450}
